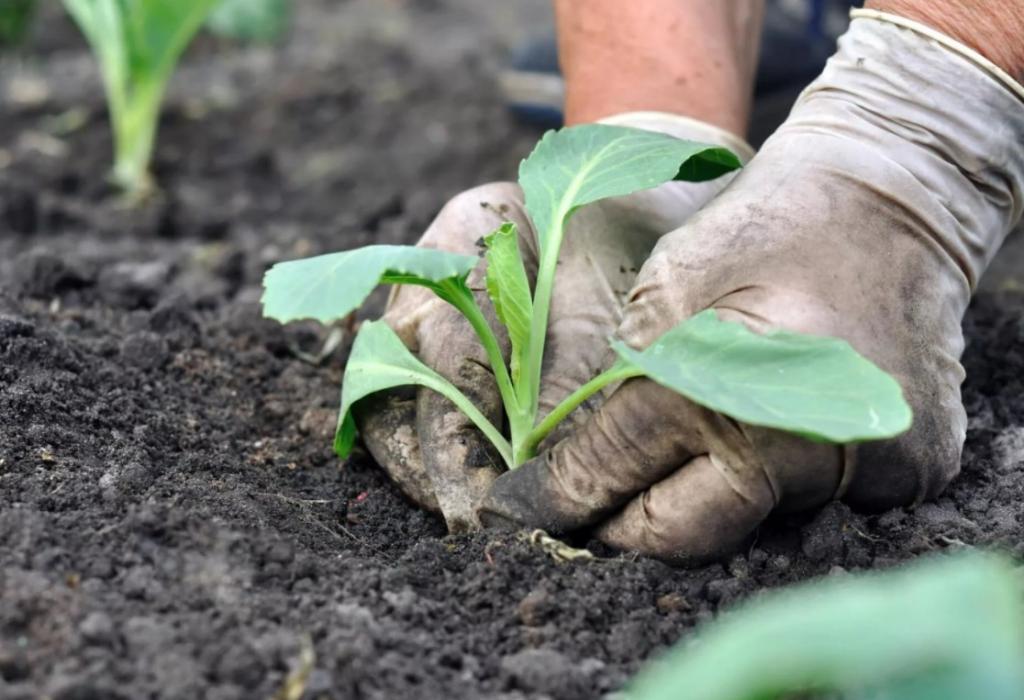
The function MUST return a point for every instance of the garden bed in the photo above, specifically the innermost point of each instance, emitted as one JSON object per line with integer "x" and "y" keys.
{"x": 173, "y": 522}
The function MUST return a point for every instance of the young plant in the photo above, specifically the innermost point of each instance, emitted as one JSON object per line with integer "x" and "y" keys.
{"x": 137, "y": 44}
{"x": 816, "y": 387}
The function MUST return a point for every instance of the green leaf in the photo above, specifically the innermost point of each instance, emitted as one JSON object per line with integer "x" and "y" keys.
{"x": 816, "y": 387}
{"x": 509, "y": 289}
{"x": 329, "y": 287}
{"x": 945, "y": 629}
{"x": 159, "y": 30}
{"x": 379, "y": 360}
{"x": 582, "y": 164}
{"x": 15, "y": 19}
{"x": 249, "y": 20}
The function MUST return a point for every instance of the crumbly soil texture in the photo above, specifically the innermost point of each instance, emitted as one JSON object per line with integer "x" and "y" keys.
{"x": 173, "y": 523}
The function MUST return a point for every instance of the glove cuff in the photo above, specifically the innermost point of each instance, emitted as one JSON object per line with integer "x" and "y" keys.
{"x": 934, "y": 124}
{"x": 946, "y": 41}
{"x": 683, "y": 128}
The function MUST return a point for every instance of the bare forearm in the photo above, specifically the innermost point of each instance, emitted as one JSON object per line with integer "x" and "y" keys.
{"x": 995, "y": 28}
{"x": 691, "y": 57}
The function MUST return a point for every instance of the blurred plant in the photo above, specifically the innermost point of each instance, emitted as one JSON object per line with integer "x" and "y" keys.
{"x": 944, "y": 629}
{"x": 250, "y": 20}
{"x": 137, "y": 44}
{"x": 15, "y": 19}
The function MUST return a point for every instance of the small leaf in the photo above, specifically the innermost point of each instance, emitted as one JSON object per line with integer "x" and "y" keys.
{"x": 944, "y": 629}
{"x": 582, "y": 164}
{"x": 509, "y": 289}
{"x": 329, "y": 287}
{"x": 249, "y": 20}
{"x": 379, "y": 360}
{"x": 817, "y": 387}
{"x": 155, "y": 32}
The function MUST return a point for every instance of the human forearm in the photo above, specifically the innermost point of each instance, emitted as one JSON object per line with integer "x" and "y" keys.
{"x": 691, "y": 57}
{"x": 995, "y": 29}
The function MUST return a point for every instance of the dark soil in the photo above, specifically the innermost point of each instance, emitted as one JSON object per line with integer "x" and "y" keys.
{"x": 172, "y": 521}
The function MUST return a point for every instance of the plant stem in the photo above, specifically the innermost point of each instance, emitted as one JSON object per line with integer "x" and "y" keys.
{"x": 449, "y": 391}
{"x": 530, "y": 372}
{"x": 135, "y": 118}
{"x": 617, "y": 372}
{"x": 464, "y": 301}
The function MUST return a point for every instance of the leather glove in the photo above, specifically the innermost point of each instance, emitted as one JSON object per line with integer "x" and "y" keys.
{"x": 869, "y": 215}
{"x": 429, "y": 448}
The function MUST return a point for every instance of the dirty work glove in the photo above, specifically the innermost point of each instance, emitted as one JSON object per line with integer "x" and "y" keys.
{"x": 427, "y": 446}
{"x": 869, "y": 215}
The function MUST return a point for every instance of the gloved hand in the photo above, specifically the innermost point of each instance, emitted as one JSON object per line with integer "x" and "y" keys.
{"x": 869, "y": 215}
{"x": 433, "y": 452}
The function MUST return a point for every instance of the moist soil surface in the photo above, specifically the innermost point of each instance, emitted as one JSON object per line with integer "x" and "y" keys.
{"x": 173, "y": 523}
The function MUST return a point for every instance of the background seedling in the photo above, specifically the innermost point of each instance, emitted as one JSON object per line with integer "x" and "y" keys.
{"x": 816, "y": 387}
{"x": 137, "y": 44}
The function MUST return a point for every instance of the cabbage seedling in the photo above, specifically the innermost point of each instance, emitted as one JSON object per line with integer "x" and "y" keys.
{"x": 137, "y": 44}
{"x": 816, "y": 387}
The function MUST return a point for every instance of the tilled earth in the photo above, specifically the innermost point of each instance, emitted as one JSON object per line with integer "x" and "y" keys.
{"x": 172, "y": 521}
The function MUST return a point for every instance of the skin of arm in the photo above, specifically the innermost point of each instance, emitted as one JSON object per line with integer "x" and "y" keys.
{"x": 995, "y": 28}
{"x": 696, "y": 58}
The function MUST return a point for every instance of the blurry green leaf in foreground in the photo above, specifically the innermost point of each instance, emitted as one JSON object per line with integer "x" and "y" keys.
{"x": 944, "y": 629}
{"x": 328, "y": 287}
{"x": 249, "y": 20}
{"x": 809, "y": 385}
{"x": 379, "y": 360}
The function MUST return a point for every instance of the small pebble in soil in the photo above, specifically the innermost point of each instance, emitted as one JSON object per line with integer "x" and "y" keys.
{"x": 97, "y": 628}
{"x": 535, "y": 608}
{"x": 672, "y": 602}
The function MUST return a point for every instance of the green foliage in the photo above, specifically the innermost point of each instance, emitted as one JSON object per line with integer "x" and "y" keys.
{"x": 379, "y": 360}
{"x": 577, "y": 166}
{"x": 15, "y": 19}
{"x": 328, "y": 287}
{"x": 580, "y": 165}
{"x": 509, "y": 289}
{"x": 137, "y": 44}
{"x": 945, "y": 629}
{"x": 249, "y": 20}
{"x": 816, "y": 387}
